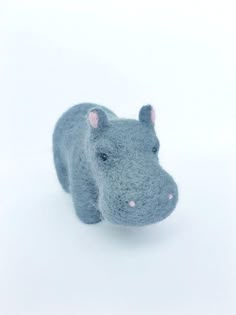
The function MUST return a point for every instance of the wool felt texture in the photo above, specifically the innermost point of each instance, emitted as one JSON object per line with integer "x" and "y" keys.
{"x": 111, "y": 167}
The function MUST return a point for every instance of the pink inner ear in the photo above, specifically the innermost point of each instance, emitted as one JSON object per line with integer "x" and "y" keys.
{"x": 153, "y": 116}
{"x": 93, "y": 119}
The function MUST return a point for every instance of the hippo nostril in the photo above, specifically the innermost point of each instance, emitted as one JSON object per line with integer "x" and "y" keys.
{"x": 132, "y": 203}
{"x": 170, "y": 196}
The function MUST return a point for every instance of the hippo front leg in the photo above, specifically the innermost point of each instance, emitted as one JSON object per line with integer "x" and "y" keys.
{"x": 85, "y": 195}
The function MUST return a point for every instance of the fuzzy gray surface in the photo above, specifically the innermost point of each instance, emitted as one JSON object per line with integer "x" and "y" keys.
{"x": 111, "y": 168}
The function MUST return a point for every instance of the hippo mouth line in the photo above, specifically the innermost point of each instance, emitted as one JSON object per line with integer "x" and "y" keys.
{"x": 125, "y": 217}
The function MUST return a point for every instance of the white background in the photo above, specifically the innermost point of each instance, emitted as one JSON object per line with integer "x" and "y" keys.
{"x": 178, "y": 56}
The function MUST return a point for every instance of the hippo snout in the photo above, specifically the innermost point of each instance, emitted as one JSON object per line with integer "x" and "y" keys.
{"x": 148, "y": 204}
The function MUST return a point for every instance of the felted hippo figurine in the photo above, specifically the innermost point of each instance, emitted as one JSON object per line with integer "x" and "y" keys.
{"x": 110, "y": 166}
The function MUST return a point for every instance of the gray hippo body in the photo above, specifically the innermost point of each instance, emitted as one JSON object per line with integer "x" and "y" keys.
{"x": 110, "y": 166}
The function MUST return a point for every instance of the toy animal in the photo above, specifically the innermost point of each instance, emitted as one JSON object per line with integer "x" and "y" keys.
{"x": 111, "y": 167}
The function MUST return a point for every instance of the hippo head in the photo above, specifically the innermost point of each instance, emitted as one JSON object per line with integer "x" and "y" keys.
{"x": 134, "y": 189}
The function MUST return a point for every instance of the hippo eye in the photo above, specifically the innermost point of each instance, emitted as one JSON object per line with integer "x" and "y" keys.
{"x": 103, "y": 156}
{"x": 154, "y": 149}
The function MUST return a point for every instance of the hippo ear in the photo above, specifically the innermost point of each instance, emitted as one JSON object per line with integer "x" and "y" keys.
{"x": 97, "y": 119}
{"x": 147, "y": 115}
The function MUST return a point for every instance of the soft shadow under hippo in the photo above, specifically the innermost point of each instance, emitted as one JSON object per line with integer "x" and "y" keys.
{"x": 110, "y": 166}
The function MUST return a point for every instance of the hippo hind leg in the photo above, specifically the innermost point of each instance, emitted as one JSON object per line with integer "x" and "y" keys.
{"x": 61, "y": 169}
